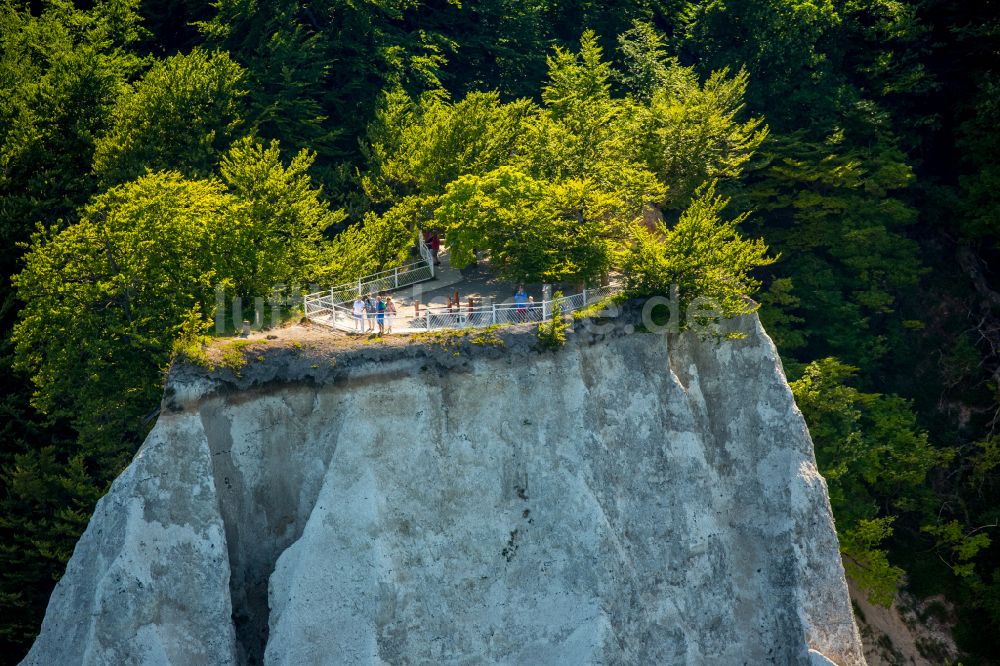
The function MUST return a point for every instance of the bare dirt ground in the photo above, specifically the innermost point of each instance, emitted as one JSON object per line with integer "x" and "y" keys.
{"x": 910, "y": 632}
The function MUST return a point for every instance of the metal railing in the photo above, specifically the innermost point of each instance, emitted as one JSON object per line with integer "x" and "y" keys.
{"x": 436, "y": 318}
{"x": 320, "y": 305}
{"x": 440, "y": 317}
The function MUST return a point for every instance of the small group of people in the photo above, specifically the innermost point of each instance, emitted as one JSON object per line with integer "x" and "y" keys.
{"x": 371, "y": 311}
{"x": 523, "y": 303}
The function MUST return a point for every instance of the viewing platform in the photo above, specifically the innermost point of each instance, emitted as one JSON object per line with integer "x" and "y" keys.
{"x": 430, "y": 297}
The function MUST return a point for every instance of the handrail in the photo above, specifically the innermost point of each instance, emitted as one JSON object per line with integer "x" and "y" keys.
{"x": 440, "y": 317}
{"x": 319, "y": 304}
{"x": 329, "y": 307}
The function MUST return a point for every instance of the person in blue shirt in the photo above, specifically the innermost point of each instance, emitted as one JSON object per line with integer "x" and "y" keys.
{"x": 521, "y": 302}
{"x": 380, "y": 315}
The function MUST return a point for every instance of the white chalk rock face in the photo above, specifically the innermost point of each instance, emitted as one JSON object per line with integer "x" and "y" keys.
{"x": 148, "y": 582}
{"x": 628, "y": 499}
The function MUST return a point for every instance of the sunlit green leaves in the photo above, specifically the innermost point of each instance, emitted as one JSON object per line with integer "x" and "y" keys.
{"x": 703, "y": 254}
{"x": 875, "y": 459}
{"x": 551, "y": 191}
{"x": 105, "y": 298}
{"x": 690, "y": 133}
{"x": 420, "y": 148}
{"x": 535, "y": 230}
{"x": 377, "y": 243}
{"x": 281, "y": 239}
{"x": 181, "y": 115}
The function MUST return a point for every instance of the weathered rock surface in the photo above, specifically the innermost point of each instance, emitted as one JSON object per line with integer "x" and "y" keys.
{"x": 628, "y": 499}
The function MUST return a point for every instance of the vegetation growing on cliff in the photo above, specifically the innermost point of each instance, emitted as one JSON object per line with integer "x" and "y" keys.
{"x": 553, "y": 190}
{"x": 552, "y": 333}
{"x": 140, "y": 136}
{"x": 702, "y": 256}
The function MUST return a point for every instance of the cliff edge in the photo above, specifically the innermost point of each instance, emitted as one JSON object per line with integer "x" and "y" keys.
{"x": 630, "y": 498}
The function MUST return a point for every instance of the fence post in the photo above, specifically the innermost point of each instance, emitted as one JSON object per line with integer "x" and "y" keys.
{"x": 546, "y": 301}
{"x": 584, "y": 297}
{"x": 395, "y": 276}
{"x": 493, "y": 309}
{"x": 427, "y": 318}
{"x": 359, "y": 287}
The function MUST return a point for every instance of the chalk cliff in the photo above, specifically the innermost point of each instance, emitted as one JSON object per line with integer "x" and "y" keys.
{"x": 631, "y": 498}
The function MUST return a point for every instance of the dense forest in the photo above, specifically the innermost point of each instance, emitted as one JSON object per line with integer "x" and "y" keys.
{"x": 838, "y": 157}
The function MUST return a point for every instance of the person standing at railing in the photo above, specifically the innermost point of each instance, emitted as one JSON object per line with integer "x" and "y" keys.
{"x": 390, "y": 313}
{"x": 380, "y": 314}
{"x": 370, "y": 313}
{"x": 359, "y": 313}
{"x": 521, "y": 302}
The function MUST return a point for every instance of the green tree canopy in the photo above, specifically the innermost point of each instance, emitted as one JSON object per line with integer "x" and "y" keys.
{"x": 181, "y": 115}
{"x": 106, "y": 298}
{"x": 551, "y": 190}
{"x": 535, "y": 230}
{"x": 875, "y": 460}
{"x": 702, "y": 255}
{"x": 280, "y": 237}
{"x": 835, "y": 215}
{"x": 420, "y": 148}
{"x": 782, "y": 43}
{"x": 61, "y": 71}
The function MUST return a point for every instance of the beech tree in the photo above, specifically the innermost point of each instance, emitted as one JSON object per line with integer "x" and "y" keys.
{"x": 279, "y": 237}
{"x": 182, "y": 114}
{"x": 552, "y": 190}
{"x": 702, "y": 255}
{"x": 106, "y": 298}
{"x": 875, "y": 460}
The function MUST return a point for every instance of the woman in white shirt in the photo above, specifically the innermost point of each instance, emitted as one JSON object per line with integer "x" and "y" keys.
{"x": 390, "y": 313}
{"x": 359, "y": 313}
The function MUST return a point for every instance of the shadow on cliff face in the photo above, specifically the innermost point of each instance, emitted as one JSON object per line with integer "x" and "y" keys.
{"x": 267, "y": 484}
{"x": 688, "y": 447}
{"x": 457, "y": 499}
